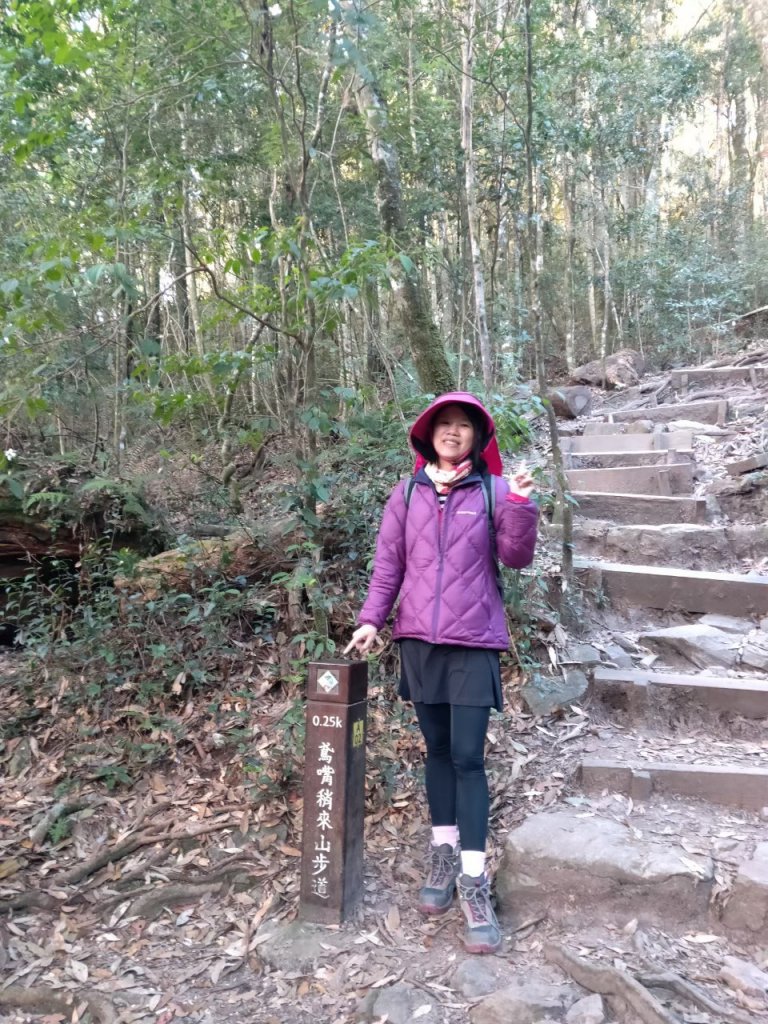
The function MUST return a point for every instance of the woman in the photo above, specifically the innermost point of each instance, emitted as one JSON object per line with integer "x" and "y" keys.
{"x": 437, "y": 549}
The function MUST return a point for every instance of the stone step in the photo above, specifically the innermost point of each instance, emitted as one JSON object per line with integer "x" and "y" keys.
{"x": 673, "y": 478}
{"x": 596, "y": 444}
{"x": 575, "y": 864}
{"x": 639, "y": 508}
{"x": 748, "y": 465}
{"x": 687, "y": 545}
{"x": 608, "y": 460}
{"x": 729, "y": 785}
{"x": 601, "y": 862}
{"x": 719, "y": 375}
{"x": 715, "y": 411}
{"x": 632, "y": 690}
{"x": 670, "y": 589}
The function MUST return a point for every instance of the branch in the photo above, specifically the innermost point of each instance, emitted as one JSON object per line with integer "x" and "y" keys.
{"x": 608, "y": 981}
{"x": 61, "y": 809}
{"x": 686, "y": 989}
{"x": 236, "y": 305}
{"x": 51, "y": 1000}
{"x": 124, "y": 849}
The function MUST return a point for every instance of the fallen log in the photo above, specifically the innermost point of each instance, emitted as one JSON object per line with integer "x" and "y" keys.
{"x": 243, "y": 553}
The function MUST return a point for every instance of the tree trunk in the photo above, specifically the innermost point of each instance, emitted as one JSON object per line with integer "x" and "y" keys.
{"x": 429, "y": 357}
{"x": 536, "y": 267}
{"x": 178, "y": 270}
{"x": 187, "y": 235}
{"x": 569, "y": 207}
{"x": 473, "y": 223}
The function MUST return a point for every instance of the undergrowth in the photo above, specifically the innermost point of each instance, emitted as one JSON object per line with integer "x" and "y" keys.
{"x": 126, "y": 676}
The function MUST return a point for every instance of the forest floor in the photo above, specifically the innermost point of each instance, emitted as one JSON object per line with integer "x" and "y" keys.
{"x": 157, "y": 898}
{"x": 154, "y": 900}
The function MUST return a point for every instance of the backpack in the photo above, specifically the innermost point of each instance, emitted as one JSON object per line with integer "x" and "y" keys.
{"x": 489, "y": 500}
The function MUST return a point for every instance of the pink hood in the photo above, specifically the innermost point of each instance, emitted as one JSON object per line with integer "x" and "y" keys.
{"x": 421, "y": 431}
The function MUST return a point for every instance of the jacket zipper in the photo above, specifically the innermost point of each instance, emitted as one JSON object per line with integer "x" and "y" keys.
{"x": 442, "y": 511}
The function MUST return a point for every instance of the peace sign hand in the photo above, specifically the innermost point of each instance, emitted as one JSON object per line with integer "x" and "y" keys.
{"x": 521, "y": 482}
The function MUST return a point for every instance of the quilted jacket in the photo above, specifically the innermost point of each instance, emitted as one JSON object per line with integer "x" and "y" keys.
{"x": 440, "y": 563}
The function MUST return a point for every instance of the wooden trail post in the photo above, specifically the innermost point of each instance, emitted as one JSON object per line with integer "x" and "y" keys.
{"x": 334, "y": 791}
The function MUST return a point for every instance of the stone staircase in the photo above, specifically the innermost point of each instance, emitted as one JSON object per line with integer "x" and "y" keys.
{"x": 680, "y": 756}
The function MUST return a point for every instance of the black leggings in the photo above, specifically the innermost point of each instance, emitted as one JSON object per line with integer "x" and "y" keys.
{"x": 457, "y": 786}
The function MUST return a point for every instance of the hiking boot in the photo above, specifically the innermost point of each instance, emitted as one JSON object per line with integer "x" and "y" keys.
{"x": 437, "y": 895}
{"x": 482, "y": 934}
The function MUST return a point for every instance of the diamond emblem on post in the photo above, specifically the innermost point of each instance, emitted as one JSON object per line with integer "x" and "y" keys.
{"x": 328, "y": 682}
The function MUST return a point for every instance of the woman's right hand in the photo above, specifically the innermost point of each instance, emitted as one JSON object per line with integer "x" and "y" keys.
{"x": 363, "y": 639}
{"x": 521, "y": 482}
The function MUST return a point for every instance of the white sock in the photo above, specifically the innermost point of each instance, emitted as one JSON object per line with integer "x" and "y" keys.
{"x": 442, "y": 834}
{"x": 472, "y": 863}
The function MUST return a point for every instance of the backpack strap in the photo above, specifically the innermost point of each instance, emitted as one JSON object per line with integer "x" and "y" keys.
{"x": 489, "y": 498}
{"x": 409, "y": 490}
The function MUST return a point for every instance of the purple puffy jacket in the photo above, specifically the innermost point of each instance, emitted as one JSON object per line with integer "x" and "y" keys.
{"x": 441, "y": 563}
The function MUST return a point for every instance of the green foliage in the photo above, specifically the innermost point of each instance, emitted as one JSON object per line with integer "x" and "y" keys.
{"x": 109, "y": 645}
{"x": 514, "y": 418}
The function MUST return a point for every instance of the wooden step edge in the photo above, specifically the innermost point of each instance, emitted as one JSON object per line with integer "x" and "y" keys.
{"x": 639, "y": 451}
{"x": 731, "y": 785}
{"x": 632, "y": 693}
{"x": 665, "y": 571}
{"x": 653, "y": 498}
{"x": 635, "y": 469}
{"x": 649, "y": 677}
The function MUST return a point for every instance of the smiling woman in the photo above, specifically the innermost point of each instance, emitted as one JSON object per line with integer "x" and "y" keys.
{"x": 437, "y": 549}
{"x": 452, "y": 436}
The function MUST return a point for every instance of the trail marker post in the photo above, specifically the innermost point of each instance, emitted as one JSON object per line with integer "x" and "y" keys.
{"x": 334, "y": 791}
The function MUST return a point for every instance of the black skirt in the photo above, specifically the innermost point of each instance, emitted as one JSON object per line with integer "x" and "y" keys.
{"x": 449, "y": 674}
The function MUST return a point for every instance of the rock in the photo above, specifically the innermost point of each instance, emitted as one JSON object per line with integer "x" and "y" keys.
{"x": 620, "y": 369}
{"x": 525, "y": 1001}
{"x": 568, "y": 429}
{"x": 617, "y": 655}
{"x": 595, "y": 869}
{"x": 403, "y": 1004}
{"x": 625, "y": 643}
{"x": 703, "y": 646}
{"x": 710, "y": 429}
{"x": 640, "y": 427}
{"x": 744, "y": 976}
{"x": 545, "y": 694}
{"x": 479, "y": 976}
{"x": 764, "y": 624}
{"x": 589, "y": 1010}
{"x": 583, "y": 654}
{"x": 598, "y": 427}
{"x": 754, "y": 653}
{"x": 747, "y": 906}
{"x": 297, "y": 946}
{"x": 21, "y": 758}
{"x": 727, "y": 623}
{"x": 570, "y": 402}
{"x": 744, "y": 498}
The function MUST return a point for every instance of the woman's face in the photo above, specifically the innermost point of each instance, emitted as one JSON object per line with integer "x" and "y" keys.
{"x": 452, "y": 434}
